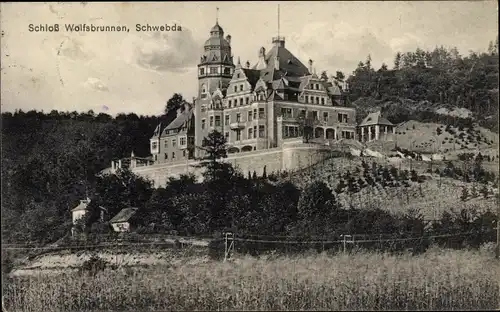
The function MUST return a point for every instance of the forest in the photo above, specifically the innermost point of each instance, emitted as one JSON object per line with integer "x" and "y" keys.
{"x": 52, "y": 160}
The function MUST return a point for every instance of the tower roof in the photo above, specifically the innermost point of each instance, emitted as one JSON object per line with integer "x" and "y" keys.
{"x": 217, "y": 28}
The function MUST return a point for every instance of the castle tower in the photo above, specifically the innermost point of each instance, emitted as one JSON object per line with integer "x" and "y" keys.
{"x": 215, "y": 70}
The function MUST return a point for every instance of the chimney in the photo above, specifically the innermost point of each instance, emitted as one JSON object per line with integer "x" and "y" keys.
{"x": 247, "y": 64}
{"x": 261, "y": 64}
{"x": 310, "y": 66}
{"x": 228, "y": 39}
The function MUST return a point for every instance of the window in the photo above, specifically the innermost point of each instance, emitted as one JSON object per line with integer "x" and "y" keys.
{"x": 226, "y": 135}
{"x": 229, "y": 103}
{"x": 154, "y": 145}
{"x": 156, "y": 157}
{"x": 213, "y": 70}
{"x": 203, "y": 123}
{"x": 317, "y": 86}
{"x": 247, "y": 100}
{"x": 166, "y": 155}
{"x": 238, "y": 76}
{"x": 235, "y": 88}
{"x": 241, "y": 101}
{"x": 261, "y": 113}
{"x": 325, "y": 116}
{"x": 342, "y": 117}
{"x": 173, "y": 155}
{"x": 174, "y": 142}
{"x": 227, "y": 71}
{"x": 202, "y": 71}
{"x": 238, "y": 135}
{"x": 226, "y": 120}
{"x": 217, "y": 121}
{"x": 286, "y": 112}
{"x": 238, "y": 117}
{"x": 303, "y": 113}
{"x": 315, "y": 115}
{"x": 182, "y": 141}
{"x": 166, "y": 144}
{"x": 261, "y": 131}
{"x": 249, "y": 115}
{"x": 184, "y": 153}
{"x": 211, "y": 121}
{"x": 307, "y": 99}
{"x": 255, "y": 114}
{"x": 250, "y": 133}
{"x": 317, "y": 100}
{"x": 255, "y": 131}
{"x": 322, "y": 101}
{"x": 290, "y": 131}
{"x": 241, "y": 87}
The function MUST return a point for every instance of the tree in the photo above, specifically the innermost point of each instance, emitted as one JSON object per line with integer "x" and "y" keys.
{"x": 174, "y": 103}
{"x": 264, "y": 174}
{"x": 124, "y": 189}
{"x": 324, "y": 76}
{"x": 316, "y": 202}
{"x": 339, "y": 76}
{"x": 397, "y": 61}
{"x": 215, "y": 148}
{"x": 465, "y": 194}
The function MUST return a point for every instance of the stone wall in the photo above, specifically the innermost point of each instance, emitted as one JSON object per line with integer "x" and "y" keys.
{"x": 292, "y": 155}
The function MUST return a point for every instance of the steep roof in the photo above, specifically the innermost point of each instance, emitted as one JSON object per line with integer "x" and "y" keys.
{"x": 253, "y": 75}
{"x": 124, "y": 215}
{"x": 82, "y": 206}
{"x": 375, "y": 119}
{"x": 157, "y": 131}
{"x": 180, "y": 120}
{"x": 288, "y": 64}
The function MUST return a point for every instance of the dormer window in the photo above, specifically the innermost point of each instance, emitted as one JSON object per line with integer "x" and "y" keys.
{"x": 238, "y": 76}
{"x": 227, "y": 71}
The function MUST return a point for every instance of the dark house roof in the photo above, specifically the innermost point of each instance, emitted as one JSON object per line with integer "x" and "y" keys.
{"x": 375, "y": 119}
{"x": 124, "y": 215}
{"x": 288, "y": 64}
{"x": 180, "y": 120}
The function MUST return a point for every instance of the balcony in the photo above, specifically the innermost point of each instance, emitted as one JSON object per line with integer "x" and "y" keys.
{"x": 237, "y": 125}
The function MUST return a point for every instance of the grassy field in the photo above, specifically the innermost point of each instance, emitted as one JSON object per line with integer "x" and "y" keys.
{"x": 442, "y": 280}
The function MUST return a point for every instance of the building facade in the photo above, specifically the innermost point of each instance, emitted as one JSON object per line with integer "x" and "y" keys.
{"x": 256, "y": 108}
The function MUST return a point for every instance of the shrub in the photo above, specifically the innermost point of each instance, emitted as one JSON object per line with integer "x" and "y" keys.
{"x": 465, "y": 194}
{"x": 94, "y": 264}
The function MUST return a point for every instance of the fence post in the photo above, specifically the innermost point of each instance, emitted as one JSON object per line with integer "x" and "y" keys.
{"x": 228, "y": 245}
{"x": 347, "y": 241}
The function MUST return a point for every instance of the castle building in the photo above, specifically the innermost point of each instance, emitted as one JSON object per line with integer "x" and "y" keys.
{"x": 256, "y": 107}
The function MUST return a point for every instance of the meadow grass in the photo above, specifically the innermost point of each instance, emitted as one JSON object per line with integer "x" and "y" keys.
{"x": 438, "y": 279}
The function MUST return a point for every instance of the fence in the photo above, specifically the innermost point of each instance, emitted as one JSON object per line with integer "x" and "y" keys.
{"x": 254, "y": 244}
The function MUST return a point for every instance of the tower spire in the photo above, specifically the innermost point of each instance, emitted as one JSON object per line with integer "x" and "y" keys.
{"x": 217, "y": 16}
{"x": 278, "y": 20}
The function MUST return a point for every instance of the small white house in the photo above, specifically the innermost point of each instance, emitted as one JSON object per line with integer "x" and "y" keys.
{"x": 79, "y": 211}
{"x": 124, "y": 220}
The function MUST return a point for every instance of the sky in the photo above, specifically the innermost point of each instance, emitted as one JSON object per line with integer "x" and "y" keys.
{"x": 137, "y": 72}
